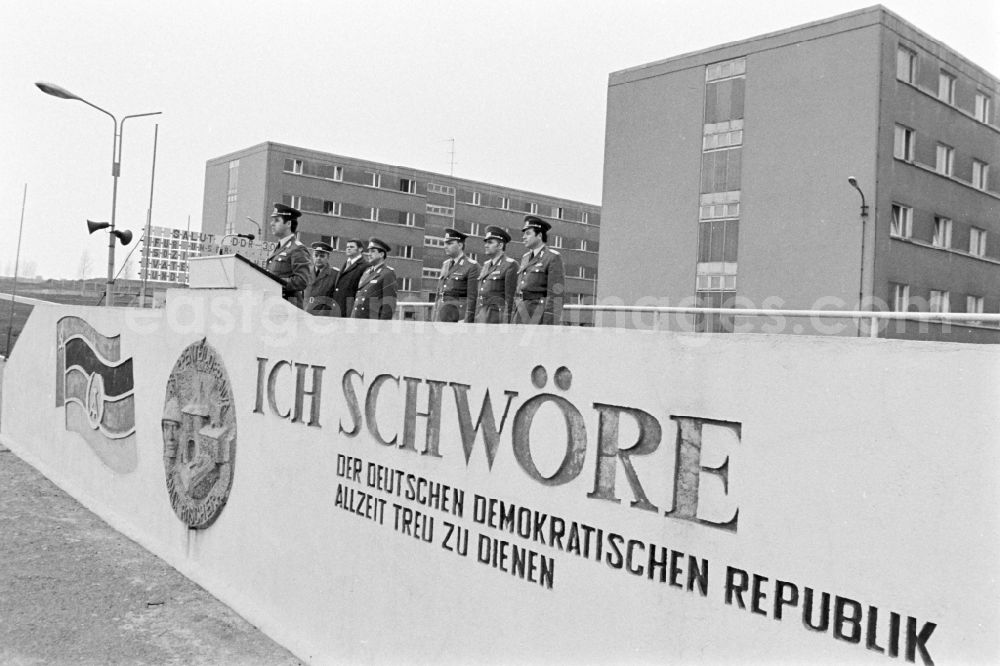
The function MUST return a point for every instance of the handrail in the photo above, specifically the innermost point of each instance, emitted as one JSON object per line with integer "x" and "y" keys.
{"x": 873, "y": 315}
{"x": 765, "y": 312}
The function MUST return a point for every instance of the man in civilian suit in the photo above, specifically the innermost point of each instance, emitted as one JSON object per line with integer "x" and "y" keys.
{"x": 376, "y": 298}
{"x": 347, "y": 283}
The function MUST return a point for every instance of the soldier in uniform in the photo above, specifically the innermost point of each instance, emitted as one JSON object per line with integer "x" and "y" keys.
{"x": 497, "y": 279}
{"x": 290, "y": 262}
{"x": 347, "y": 281}
{"x": 456, "y": 296}
{"x": 540, "y": 286}
{"x": 318, "y": 298}
{"x": 376, "y": 297}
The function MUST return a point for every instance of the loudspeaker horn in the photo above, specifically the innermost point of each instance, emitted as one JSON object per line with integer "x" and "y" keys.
{"x": 97, "y": 226}
{"x": 124, "y": 235}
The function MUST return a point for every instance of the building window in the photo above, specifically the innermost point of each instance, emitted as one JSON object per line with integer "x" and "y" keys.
{"x": 473, "y": 228}
{"x": 472, "y": 255}
{"x": 332, "y": 241}
{"x": 726, "y": 70}
{"x": 585, "y": 218}
{"x": 295, "y": 201}
{"x": 295, "y": 166}
{"x": 939, "y": 301}
{"x": 434, "y": 188}
{"x": 900, "y": 297}
{"x": 477, "y": 199}
{"x": 714, "y": 211}
{"x": 974, "y": 305}
{"x": 433, "y": 273}
{"x": 231, "y": 212}
{"x": 557, "y": 241}
{"x": 942, "y": 232}
{"x": 505, "y": 203}
{"x": 581, "y": 272}
{"x": 557, "y": 212}
{"x": 903, "y": 145}
{"x": 406, "y": 284}
{"x": 447, "y": 211}
{"x": 945, "y": 159}
{"x": 433, "y": 241}
{"x": 530, "y": 207}
{"x": 376, "y": 179}
{"x": 723, "y": 135}
{"x": 583, "y": 244}
{"x": 406, "y": 251}
{"x": 373, "y": 214}
{"x": 409, "y": 219}
{"x": 977, "y": 242}
{"x": 906, "y": 65}
{"x": 982, "y": 107}
{"x": 338, "y": 173}
{"x": 902, "y": 221}
{"x": 406, "y": 185}
{"x": 946, "y": 88}
{"x": 980, "y": 174}
{"x": 721, "y": 170}
{"x": 331, "y": 208}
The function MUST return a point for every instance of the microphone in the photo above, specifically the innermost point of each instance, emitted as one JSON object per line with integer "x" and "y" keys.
{"x": 249, "y": 237}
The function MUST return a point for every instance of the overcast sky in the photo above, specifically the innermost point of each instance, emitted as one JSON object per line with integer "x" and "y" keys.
{"x": 520, "y": 86}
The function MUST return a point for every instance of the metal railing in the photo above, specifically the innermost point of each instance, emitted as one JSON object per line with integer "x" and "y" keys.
{"x": 872, "y": 317}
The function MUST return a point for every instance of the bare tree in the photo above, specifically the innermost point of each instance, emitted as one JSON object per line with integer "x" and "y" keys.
{"x": 83, "y": 271}
{"x": 128, "y": 269}
{"x": 28, "y": 268}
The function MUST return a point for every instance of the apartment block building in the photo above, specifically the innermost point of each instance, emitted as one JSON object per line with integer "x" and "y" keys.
{"x": 343, "y": 198}
{"x": 733, "y": 164}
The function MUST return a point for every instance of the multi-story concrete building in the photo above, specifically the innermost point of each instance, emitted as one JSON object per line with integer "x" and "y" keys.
{"x": 343, "y": 198}
{"x": 732, "y": 165}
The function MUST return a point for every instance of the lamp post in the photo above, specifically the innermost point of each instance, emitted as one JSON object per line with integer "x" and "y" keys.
{"x": 853, "y": 182}
{"x": 116, "y": 163}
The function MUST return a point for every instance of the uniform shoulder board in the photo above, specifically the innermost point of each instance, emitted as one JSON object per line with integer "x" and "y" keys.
{"x": 509, "y": 260}
{"x": 473, "y": 261}
{"x": 553, "y": 251}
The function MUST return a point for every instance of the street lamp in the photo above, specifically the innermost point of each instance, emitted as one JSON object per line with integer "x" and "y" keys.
{"x": 116, "y": 163}
{"x": 853, "y": 182}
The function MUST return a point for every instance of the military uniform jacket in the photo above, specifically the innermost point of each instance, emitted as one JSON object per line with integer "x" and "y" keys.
{"x": 497, "y": 285}
{"x": 457, "y": 290}
{"x": 540, "y": 288}
{"x": 318, "y": 297}
{"x": 376, "y": 297}
{"x": 291, "y": 263}
{"x": 347, "y": 287}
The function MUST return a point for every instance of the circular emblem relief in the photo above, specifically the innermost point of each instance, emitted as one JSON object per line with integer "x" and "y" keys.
{"x": 199, "y": 435}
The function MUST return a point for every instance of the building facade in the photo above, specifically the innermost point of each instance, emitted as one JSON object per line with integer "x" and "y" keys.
{"x": 343, "y": 198}
{"x": 733, "y": 163}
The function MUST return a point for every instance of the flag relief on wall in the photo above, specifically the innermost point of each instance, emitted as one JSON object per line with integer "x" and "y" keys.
{"x": 95, "y": 386}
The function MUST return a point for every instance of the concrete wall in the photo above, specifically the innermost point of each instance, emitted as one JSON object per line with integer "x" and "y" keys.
{"x": 763, "y": 473}
{"x": 652, "y": 166}
{"x": 811, "y": 121}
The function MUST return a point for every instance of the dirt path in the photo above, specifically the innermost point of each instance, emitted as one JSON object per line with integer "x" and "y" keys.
{"x": 75, "y": 591}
